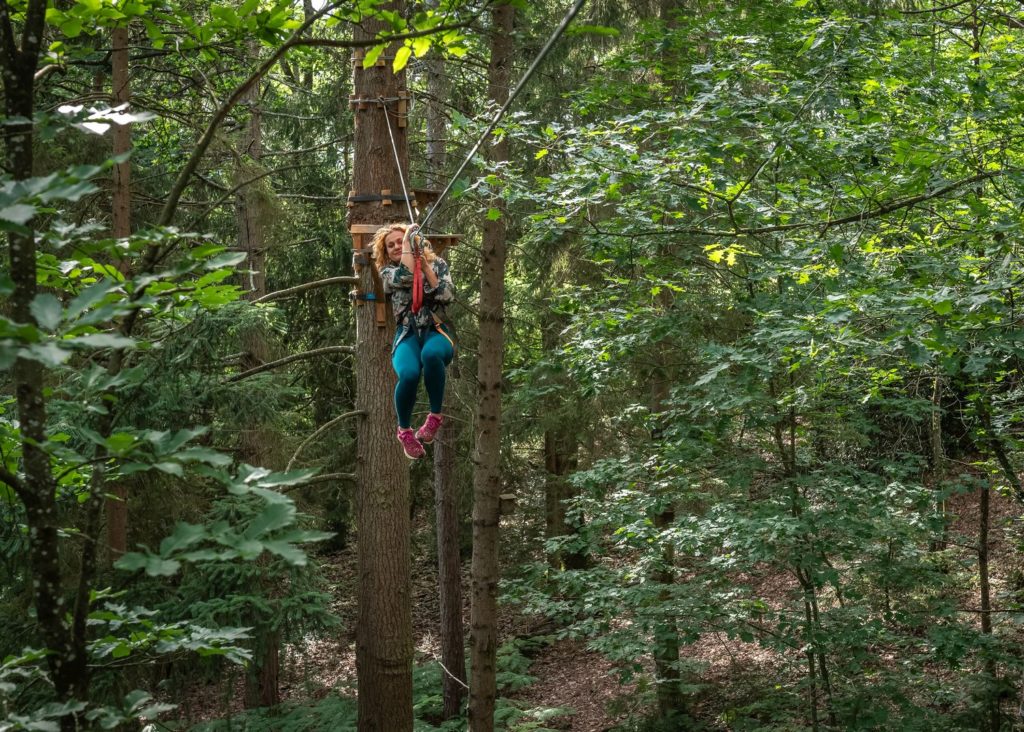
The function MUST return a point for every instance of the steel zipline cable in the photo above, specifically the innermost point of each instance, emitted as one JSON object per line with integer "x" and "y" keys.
{"x": 490, "y": 127}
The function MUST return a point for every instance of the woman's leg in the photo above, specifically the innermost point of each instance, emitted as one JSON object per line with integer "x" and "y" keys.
{"x": 406, "y": 362}
{"x": 436, "y": 354}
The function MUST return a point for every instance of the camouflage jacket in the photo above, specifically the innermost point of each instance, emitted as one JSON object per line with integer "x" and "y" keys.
{"x": 397, "y": 279}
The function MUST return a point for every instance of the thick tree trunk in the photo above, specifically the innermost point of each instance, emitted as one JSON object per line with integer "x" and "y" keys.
{"x": 117, "y": 504}
{"x": 384, "y": 622}
{"x": 487, "y": 473}
{"x": 255, "y": 440}
{"x": 67, "y": 658}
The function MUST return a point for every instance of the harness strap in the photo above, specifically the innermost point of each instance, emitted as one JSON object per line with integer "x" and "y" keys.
{"x": 417, "y": 284}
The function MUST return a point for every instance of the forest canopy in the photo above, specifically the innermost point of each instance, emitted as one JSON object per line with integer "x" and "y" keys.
{"x": 731, "y": 438}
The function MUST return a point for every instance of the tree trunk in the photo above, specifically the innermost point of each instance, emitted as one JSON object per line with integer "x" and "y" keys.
{"x": 937, "y": 460}
{"x": 449, "y": 565}
{"x": 262, "y": 687}
{"x": 384, "y": 621}
{"x": 671, "y": 702}
{"x": 561, "y": 449}
{"x": 984, "y": 522}
{"x": 449, "y": 574}
{"x": 67, "y": 658}
{"x": 487, "y": 475}
{"x": 117, "y": 504}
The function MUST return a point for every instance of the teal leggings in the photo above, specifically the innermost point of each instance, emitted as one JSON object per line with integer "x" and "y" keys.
{"x": 430, "y": 354}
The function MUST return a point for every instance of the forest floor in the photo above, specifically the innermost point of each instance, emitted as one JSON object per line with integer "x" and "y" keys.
{"x": 568, "y": 675}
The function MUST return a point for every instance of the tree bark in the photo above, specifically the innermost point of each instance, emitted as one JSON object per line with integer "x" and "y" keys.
{"x": 487, "y": 472}
{"x": 561, "y": 449}
{"x": 671, "y": 702}
{"x": 384, "y": 618}
{"x": 67, "y": 660}
{"x": 985, "y": 598}
{"x": 261, "y": 687}
{"x": 449, "y": 564}
{"x": 121, "y": 220}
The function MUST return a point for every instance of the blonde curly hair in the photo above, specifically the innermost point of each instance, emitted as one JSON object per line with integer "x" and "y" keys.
{"x": 380, "y": 252}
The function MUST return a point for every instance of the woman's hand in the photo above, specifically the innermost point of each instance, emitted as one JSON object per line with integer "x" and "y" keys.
{"x": 408, "y": 258}
{"x": 413, "y": 241}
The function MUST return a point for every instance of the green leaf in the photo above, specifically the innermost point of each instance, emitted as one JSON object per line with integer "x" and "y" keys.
{"x": 121, "y": 650}
{"x": 808, "y": 42}
{"x": 401, "y": 58}
{"x": 102, "y": 340}
{"x": 204, "y": 455}
{"x": 18, "y": 213}
{"x": 47, "y": 310}
{"x": 153, "y": 565}
{"x": 541, "y": 153}
{"x": 6, "y": 284}
{"x": 594, "y": 30}
{"x": 493, "y": 214}
{"x": 372, "y": 55}
{"x": 72, "y": 27}
{"x": 170, "y": 468}
{"x": 288, "y": 552}
{"x": 273, "y": 517}
{"x": 89, "y": 297}
{"x": 121, "y": 442}
{"x": 185, "y": 535}
{"x": 49, "y": 353}
{"x": 228, "y": 259}
{"x": 420, "y": 46}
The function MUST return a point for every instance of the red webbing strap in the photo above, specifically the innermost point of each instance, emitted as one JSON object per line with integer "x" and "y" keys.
{"x": 417, "y": 276}
{"x": 417, "y": 285}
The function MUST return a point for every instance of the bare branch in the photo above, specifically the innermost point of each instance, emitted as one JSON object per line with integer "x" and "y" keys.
{"x": 46, "y": 71}
{"x": 232, "y": 191}
{"x": 291, "y": 359}
{"x": 335, "y": 141}
{"x": 320, "y": 430}
{"x": 12, "y": 480}
{"x": 306, "y": 286}
{"x": 938, "y": 9}
{"x": 321, "y": 479}
{"x": 337, "y": 43}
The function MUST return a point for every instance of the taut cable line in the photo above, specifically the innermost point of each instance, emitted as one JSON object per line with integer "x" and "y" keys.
{"x": 490, "y": 127}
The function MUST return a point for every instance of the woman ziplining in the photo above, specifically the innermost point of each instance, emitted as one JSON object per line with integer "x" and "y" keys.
{"x": 420, "y": 287}
{"x": 423, "y": 342}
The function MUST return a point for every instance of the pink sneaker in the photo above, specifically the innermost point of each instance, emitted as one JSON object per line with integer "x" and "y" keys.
{"x": 412, "y": 447}
{"x": 428, "y": 431}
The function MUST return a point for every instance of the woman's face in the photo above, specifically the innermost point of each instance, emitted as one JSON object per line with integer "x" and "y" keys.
{"x": 393, "y": 244}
